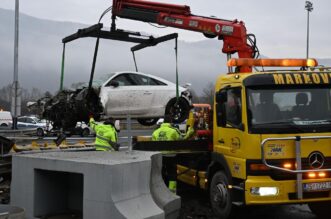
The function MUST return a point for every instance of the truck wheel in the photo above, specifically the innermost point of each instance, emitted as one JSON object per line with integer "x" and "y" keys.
{"x": 320, "y": 209}
{"x": 220, "y": 195}
{"x": 85, "y": 132}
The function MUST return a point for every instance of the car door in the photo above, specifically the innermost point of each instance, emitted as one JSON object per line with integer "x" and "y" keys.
{"x": 144, "y": 104}
{"x": 21, "y": 122}
{"x": 129, "y": 97}
{"x": 30, "y": 123}
{"x": 162, "y": 93}
{"x": 117, "y": 95}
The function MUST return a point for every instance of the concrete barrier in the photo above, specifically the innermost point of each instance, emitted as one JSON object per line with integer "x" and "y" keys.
{"x": 93, "y": 184}
{"x": 11, "y": 212}
{"x": 166, "y": 200}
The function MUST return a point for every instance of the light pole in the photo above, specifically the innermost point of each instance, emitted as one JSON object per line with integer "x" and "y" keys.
{"x": 309, "y": 8}
{"x": 16, "y": 91}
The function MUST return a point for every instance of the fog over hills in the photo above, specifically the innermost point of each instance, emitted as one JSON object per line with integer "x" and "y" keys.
{"x": 40, "y": 51}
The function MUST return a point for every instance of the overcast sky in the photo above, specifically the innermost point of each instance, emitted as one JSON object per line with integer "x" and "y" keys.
{"x": 279, "y": 25}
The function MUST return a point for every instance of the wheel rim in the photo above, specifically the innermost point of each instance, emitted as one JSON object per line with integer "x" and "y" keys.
{"x": 176, "y": 112}
{"x": 39, "y": 132}
{"x": 221, "y": 195}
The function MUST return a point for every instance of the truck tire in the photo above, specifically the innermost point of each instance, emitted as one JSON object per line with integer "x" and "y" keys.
{"x": 178, "y": 111}
{"x": 220, "y": 195}
{"x": 320, "y": 209}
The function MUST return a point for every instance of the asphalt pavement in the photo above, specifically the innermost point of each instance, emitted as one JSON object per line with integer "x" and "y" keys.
{"x": 195, "y": 205}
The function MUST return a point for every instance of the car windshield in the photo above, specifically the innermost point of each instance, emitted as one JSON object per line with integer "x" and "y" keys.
{"x": 289, "y": 109}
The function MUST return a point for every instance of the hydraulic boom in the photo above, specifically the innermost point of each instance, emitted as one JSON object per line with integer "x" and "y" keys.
{"x": 233, "y": 33}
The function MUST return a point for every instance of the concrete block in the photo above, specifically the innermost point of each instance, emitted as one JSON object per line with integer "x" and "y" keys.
{"x": 97, "y": 184}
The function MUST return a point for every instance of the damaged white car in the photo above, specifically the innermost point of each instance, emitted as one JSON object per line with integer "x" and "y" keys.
{"x": 144, "y": 97}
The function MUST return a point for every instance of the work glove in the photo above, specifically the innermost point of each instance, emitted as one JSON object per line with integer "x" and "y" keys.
{"x": 115, "y": 145}
{"x": 189, "y": 133}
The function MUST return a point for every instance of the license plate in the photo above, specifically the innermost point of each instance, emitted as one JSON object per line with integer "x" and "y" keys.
{"x": 321, "y": 186}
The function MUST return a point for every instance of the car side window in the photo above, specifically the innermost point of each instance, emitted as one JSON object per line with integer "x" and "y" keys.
{"x": 141, "y": 80}
{"x": 29, "y": 120}
{"x": 21, "y": 120}
{"x": 155, "y": 82}
{"x": 123, "y": 80}
{"x": 145, "y": 81}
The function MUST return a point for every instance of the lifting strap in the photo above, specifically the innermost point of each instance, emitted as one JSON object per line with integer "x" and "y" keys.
{"x": 135, "y": 62}
{"x": 177, "y": 86}
{"x": 94, "y": 62}
{"x": 62, "y": 66}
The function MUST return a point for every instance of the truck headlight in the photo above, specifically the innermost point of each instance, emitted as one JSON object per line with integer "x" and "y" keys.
{"x": 264, "y": 191}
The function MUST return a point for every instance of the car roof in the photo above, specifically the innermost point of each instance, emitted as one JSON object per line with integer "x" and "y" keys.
{"x": 140, "y": 73}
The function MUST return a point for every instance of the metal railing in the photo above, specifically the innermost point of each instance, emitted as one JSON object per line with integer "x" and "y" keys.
{"x": 299, "y": 171}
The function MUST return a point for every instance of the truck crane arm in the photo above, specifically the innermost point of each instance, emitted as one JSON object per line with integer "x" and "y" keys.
{"x": 233, "y": 33}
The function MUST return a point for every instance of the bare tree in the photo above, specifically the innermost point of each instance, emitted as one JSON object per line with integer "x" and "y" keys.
{"x": 208, "y": 94}
{"x": 27, "y": 95}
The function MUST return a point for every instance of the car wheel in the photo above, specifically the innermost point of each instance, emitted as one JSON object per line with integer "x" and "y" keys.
{"x": 85, "y": 132}
{"x": 220, "y": 195}
{"x": 147, "y": 122}
{"x": 320, "y": 209}
{"x": 3, "y": 125}
{"x": 178, "y": 111}
{"x": 40, "y": 132}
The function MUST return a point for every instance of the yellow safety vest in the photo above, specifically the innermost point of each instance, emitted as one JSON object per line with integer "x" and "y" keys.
{"x": 105, "y": 134}
{"x": 166, "y": 133}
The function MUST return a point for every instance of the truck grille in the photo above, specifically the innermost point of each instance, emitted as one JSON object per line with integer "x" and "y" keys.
{"x": 281, "y": 175}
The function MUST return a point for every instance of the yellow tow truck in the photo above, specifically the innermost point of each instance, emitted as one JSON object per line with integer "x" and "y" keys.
{"x": 270, "y": 143}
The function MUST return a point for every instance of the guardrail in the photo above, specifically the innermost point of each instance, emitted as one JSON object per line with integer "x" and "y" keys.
{"x": 12, "y": 132}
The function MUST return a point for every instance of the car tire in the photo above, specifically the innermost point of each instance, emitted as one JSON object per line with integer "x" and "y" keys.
{"x": 320, "y": 209}
{"x": 85, "y": 132}
{"x": 178, "y": 111}
{"x": 220, "y": 195}
{"x": 147, "y": 122}
{"x": 3, "y": 125}
{"x": 40, "y": 132}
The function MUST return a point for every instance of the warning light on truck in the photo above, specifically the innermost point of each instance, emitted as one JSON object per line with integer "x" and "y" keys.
{"x": 273, "y": 62}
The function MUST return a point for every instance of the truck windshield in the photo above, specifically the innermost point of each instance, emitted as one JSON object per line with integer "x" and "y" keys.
{"x": 289, "y": 110}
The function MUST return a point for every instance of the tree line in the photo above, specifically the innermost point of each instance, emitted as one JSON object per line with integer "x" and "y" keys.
{"x": 27, "y": 95}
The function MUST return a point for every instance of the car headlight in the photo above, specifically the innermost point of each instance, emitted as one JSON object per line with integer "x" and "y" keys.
{"x": 186, "y": 93}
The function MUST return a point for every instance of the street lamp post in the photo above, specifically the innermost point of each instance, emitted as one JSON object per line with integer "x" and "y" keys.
{"x": 16, "y": 91}
{"x": 309, "y": 8}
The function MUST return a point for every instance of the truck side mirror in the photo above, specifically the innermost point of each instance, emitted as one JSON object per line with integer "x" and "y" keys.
{"x": 114, "y": 83}
{"x": 220, "y": 114}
